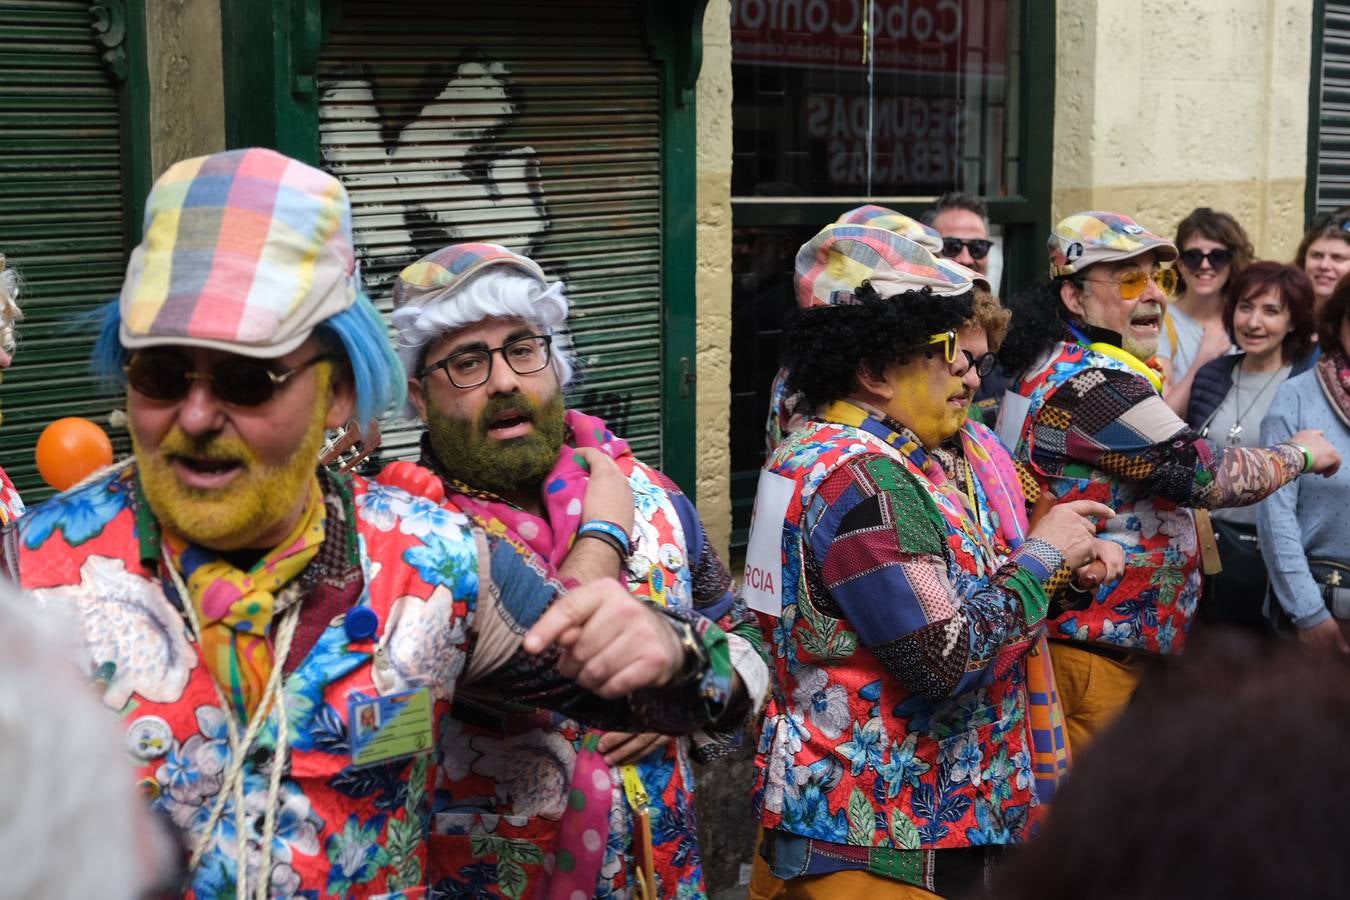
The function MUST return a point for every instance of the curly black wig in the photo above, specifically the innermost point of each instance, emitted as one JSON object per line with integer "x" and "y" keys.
{"x": 1038, "y": 317}
{"x": 826, "y": 345}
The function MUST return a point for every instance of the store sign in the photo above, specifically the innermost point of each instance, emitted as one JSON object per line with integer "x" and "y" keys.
{"x": 907, "y": 35}
{"x": 915, "y": 140}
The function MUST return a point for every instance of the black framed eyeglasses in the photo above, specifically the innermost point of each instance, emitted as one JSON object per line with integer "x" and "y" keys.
{"x": 167, "y": 375}
{"x": 470, "y": 368}
{"x": 982, "y": 364}
{"x": 978, "y": 247}
{"x": 1218, "y": 259}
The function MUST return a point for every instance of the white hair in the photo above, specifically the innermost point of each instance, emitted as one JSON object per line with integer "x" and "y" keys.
{"x": 497, "y": 292}
{"x": 71, "y": 822}
{"x": 9, "y": 307}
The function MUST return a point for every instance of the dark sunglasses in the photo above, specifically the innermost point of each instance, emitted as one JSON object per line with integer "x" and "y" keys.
{"x": 1218, "y": 259}
{"x": 978, "y": 247}
{"x": 236, "y": 380}
{"x": 982, "y": 364}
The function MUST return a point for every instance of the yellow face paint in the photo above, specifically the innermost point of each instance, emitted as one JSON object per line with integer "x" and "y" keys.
{"x": 922, "y": 391}
{"x": 259, "y": 500}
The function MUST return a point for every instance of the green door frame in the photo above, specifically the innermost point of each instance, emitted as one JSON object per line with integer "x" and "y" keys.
{"x": 271, "y": 52}
{"x": 675, "y": 33}
{"x": 119, "y": 29}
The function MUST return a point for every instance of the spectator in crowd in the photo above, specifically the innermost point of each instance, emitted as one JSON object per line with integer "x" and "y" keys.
{"x": 243, "y": 606}
{"x": 503, "y": 447}
{"x": 1304, "y": 530}
{"x": 1324, "y": 253}
{"x": 1086, "y": 416}
{"x": 1269, "y": 317}
{"x": 1204, "y": 788}
{"x": 963, "y": 222}
{"x": 1214, "y": 249}
{"x": 895, "y": 757}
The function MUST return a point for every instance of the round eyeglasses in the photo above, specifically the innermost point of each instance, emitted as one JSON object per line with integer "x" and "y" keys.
{"x": 470, "y": 368}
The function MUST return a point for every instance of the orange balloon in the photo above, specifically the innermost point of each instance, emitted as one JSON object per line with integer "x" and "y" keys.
{"x": 71, "y": 449}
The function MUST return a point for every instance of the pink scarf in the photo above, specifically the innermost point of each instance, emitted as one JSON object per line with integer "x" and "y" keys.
{"x": 575, "y": 867}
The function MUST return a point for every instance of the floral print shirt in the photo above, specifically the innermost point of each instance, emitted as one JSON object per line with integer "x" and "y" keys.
{"x": 435, "y": 585}
{"x": 898, "y": 721}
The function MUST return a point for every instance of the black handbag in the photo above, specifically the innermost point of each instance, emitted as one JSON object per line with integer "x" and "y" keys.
{"x": 1333, "y": 577}
{"x": 1237, "y": 595}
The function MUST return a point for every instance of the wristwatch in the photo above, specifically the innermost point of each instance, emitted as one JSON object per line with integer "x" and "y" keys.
{"x": 696, "y": 659}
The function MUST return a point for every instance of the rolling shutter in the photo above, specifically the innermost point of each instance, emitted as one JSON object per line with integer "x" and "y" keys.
{"x": 61, "y": 219}
{"x": 1332, "y": 174}
{"x": 533, "y": 125}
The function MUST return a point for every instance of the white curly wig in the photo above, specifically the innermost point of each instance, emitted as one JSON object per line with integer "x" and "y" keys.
{"x": 496, "y": 292}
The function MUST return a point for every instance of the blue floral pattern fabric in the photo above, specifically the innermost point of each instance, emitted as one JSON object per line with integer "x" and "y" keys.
{"x": 898, "y": 727}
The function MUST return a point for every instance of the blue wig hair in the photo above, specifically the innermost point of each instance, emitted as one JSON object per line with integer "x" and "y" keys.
{"x": 358, "y": 330}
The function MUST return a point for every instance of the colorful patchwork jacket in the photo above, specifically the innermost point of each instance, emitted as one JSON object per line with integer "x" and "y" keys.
{"x": 450, "y": 605}
{"x": 1091, "y": 428}
{"x": 507, "y": 794}
{"x": 897, "y": 723}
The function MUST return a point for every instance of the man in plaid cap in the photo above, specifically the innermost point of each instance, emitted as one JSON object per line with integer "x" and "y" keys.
{"x": 895, "y": 758}
{"x": 1087, "y": 417}
{"x": 283, "y": 644}
{"x": 481, "y": 333}
{"x": 787, "y": 410}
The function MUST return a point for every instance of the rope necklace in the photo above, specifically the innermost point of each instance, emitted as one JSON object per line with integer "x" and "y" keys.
{"x": 233, "y": 781}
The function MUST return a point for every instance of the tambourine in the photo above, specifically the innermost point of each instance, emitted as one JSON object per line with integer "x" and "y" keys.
{"x": 346, "y": 448}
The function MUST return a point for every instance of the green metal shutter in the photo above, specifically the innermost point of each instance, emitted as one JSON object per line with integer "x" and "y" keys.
{"x": 61, "y": 218}
{"x": 533, "y": 125}
{"x": 1331, "y": 82}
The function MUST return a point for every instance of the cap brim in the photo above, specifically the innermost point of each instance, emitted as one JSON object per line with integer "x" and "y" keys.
{"x": 270, "y": 351}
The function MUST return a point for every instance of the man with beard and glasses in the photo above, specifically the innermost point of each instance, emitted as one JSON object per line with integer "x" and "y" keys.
{"x": 480, "y": 332}
{"x": 1087, "y": 417}
{"x": 242, "y": 610}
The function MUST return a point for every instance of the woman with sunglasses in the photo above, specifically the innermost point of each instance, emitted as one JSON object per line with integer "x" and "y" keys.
{"x": 1324, "y": 254}
{"x": 1214, "y": 249}
{"x": 1269, "y": 316}
{"x": 1303, "y": 530}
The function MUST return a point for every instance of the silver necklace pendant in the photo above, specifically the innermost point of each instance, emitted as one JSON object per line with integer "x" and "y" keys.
{"x": 1235, "y": 434}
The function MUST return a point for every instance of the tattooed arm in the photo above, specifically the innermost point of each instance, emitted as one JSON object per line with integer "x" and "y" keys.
{"x": 1115, "y": 422}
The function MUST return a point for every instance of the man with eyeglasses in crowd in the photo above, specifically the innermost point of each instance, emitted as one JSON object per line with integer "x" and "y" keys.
{"x": 962, "y": 220}
{"x": 1086, "y": 415}
{"x": 895, "y": 758}
{"x": 283, "y": 644}
{"x": 481, "y": 332}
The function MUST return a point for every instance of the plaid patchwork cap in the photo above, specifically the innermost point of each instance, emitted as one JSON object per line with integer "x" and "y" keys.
{"x": 881, "y": 217}
{"x": 834, "y": 263}
{"x": 437, "y": 275}
{"x": 245, "y": 251}
{"x": 1086, "y": 238}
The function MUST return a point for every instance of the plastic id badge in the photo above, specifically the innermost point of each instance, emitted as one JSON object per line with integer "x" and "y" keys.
{"x": 389, "y": 727}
